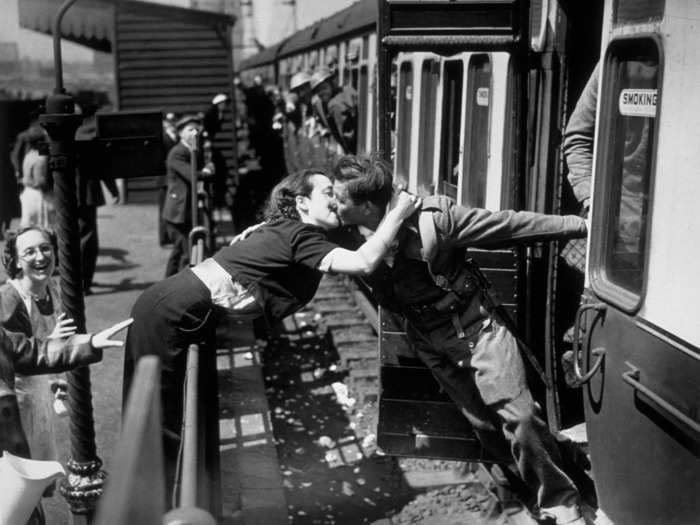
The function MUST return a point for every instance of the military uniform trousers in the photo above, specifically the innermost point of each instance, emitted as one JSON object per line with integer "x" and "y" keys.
{"x": 483, "y": 373}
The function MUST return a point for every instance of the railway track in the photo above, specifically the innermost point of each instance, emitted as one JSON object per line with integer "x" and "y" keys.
{"x": 321, "y": 375}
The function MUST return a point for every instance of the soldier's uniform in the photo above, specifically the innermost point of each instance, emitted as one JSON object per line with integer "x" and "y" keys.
{"x": 471, "y": 354}
{"x": 342, "y": 118}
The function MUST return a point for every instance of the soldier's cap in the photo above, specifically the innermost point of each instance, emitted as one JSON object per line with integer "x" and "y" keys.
{"x": 299, "y": 79}
{"x": 221, "y": 97}
{"x": 320, "y": 76}
{"x": 186, "y": 120}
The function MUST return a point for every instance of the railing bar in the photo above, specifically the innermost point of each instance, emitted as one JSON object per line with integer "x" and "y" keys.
{"x": 188, "y": 491}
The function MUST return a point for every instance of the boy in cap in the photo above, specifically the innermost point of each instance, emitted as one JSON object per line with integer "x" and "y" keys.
{"x": 176, "y": 209}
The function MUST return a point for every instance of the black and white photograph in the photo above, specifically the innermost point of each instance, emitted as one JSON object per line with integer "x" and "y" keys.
{"x": 346, "y": 262}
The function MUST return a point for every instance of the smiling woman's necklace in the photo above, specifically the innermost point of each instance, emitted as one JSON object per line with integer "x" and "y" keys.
{"x": 41, "y": 300}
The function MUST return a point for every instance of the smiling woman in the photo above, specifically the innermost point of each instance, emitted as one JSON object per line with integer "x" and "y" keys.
{"x": 272, "y": 273}
{"x": 30, "y": 306}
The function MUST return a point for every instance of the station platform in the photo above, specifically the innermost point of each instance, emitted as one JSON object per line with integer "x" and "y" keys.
{"x": 252, "y": 486}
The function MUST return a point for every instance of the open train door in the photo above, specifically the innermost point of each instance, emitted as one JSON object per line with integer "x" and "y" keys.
{"x": 460, "y": 69}
{"x": 640, "y": 359}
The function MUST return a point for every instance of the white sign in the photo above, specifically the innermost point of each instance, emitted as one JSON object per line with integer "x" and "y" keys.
{"x": 482, "y": 96}
{"x": 638, "y": 102}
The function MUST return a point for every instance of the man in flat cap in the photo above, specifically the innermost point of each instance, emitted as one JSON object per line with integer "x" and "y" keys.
{"x": 176, "y": 210}
{"x": 336, "y": 108}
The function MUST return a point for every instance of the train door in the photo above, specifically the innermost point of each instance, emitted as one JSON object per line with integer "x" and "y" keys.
{"x": 457, "y": 108}
{"x": 640, "y": 359}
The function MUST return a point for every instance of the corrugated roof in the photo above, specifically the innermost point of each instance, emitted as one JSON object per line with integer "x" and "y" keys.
{"x": 89, "y": 22}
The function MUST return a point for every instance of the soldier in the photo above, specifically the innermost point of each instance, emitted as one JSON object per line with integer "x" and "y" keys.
{"x": 298, "y": 100}
{"x": 336, "y": 108}
{"x": 473, "y": 356}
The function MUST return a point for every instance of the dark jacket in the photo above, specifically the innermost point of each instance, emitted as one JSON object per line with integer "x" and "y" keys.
{"x": 176, "y": 208}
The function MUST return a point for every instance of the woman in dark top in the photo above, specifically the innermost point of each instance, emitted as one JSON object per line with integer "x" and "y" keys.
{"x": 272, "y": 273}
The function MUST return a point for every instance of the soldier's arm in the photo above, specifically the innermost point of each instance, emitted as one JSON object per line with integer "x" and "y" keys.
{"x": 578, "y": 140}
{"x": 459, "y": 226}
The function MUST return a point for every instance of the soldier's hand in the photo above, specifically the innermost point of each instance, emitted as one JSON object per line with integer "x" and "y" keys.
{"x": 404, "y": 204}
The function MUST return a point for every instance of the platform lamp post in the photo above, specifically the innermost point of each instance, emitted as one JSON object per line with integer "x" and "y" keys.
{"x": 85, "y": 477}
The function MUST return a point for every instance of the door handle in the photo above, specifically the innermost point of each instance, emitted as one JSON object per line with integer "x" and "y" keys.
{"x": 632, "y": 378}
{"x": 582, "y": 378}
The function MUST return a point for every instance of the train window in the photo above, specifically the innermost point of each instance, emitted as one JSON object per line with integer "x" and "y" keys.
{"x": 631, "y": 81}
{"x": 405, "y": 114}
{"x": 430, "y": 80}
{"x": 372, "y": 107}
{"x": 365, "y": 47}
{"x": 476, "y": 139}
{"x": 451, "y": 119}
{"x": 637, "y": 11}
{"x": 362, "y": 110}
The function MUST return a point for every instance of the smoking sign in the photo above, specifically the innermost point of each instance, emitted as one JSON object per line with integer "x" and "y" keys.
{"x": 638, "y": 102}
{"x": 482, "y": 96}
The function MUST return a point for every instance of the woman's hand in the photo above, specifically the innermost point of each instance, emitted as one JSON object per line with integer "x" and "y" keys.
{"x": 102, "y": 339}
{"x": 404, "y": 204}
{"x": 64, "y": 328}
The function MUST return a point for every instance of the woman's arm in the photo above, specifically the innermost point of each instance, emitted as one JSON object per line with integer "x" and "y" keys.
{"x": 365, "y": 259}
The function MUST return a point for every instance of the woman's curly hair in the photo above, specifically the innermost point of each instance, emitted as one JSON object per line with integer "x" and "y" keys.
{"x": 10, "y": 255}
{"x": 282, "y": 201}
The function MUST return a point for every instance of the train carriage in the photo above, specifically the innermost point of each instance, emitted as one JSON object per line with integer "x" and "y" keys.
{"x": 472, "y": 100}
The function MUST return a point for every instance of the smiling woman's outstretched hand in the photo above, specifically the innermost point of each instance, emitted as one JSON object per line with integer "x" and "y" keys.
{"x": 102, "y": 339}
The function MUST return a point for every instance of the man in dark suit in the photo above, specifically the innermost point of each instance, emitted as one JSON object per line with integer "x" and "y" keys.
{"x": 176, "y": 210}
{"x": 170, "y": 138}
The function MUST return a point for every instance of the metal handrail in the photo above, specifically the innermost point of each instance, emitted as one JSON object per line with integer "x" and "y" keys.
{"x": 136, "y": 489}
{"x": 188, "y": 487}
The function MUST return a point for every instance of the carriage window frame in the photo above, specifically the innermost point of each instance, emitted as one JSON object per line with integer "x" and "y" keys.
{"x": 471, "y": 179}
{"x": 363, "y": 99}
{"x": 429, "y": 91}
{"x": 608, "y": 170}
{"x": 450, "y": 135}
{"x": 404, "y": 116}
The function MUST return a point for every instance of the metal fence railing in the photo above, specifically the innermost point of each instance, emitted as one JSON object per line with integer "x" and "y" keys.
{"x": 136, "y": 490}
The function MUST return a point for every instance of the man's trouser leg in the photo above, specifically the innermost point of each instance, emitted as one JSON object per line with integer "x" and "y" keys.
{"x": 179, "y": 255}
{"x": 89, "y": 242}
{"x": 475, "y": 371}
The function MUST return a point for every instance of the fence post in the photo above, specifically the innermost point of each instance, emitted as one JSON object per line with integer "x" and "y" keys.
{"x": 86, "y": 478}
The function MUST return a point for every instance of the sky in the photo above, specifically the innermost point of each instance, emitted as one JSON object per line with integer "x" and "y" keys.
{"x": 272, "y": 23}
